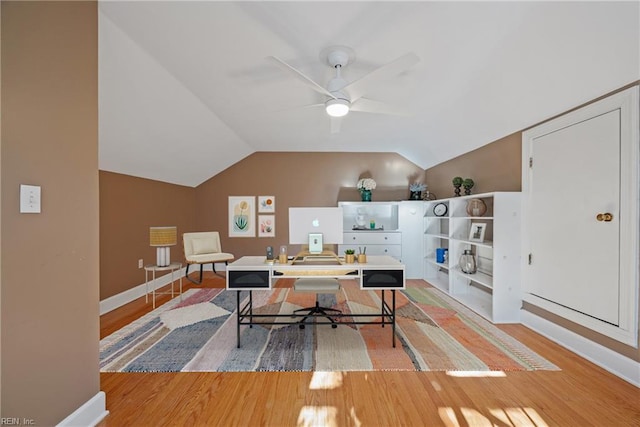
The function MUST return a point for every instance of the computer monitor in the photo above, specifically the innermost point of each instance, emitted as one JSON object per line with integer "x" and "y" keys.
{"x": 321, "y": 220}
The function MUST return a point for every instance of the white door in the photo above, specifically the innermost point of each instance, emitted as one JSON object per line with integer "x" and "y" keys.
{"x": 575, "y": 176}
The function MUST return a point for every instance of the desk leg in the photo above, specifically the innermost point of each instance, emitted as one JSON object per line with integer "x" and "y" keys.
{"x": 393, "y": 316}
{"x": 238, "y": 317}
{"x": 382, "y": 308}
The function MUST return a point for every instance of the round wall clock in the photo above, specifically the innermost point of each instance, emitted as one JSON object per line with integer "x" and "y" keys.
{"x": 440, "y": 209}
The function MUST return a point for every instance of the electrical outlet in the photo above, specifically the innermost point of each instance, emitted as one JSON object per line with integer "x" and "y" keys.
{"x": 140, "y": 263}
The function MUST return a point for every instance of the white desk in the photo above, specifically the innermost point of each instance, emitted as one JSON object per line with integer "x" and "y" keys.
{"x": 252, "y": 273}
{"x": 173, "y": 267}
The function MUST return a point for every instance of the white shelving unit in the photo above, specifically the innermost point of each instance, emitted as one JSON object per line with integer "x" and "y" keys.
{"x": 494, "y": 290}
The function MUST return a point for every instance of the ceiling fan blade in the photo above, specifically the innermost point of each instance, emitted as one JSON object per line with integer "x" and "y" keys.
{"x": 361, "y": 86}
{"x": 336, "y": 122}
{"x": 365, "y": 105}
{"x": 306, "y": 80}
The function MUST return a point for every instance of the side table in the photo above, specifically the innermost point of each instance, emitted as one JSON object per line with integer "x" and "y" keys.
{"x": 152, "y": 268}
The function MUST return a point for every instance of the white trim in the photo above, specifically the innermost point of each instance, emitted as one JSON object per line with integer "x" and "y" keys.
{"x": 617, "y": 364}
{"x": 116, "y": 301}
{"x": 90, "y": 413}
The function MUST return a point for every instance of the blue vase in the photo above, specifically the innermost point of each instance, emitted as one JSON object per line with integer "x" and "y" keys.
{"x": 366, "y": 195}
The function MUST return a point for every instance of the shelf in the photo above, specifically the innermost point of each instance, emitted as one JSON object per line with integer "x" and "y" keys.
{"x": 486, "y": 244}
{"x": 437, "y": 264}
{"x": 479, "y": 301}
{"x": 473, "y": 217}
{"x": 440, "y": 281}
{"x": 437, "y": 236}
{"x": 478, "y": 277}
{"x": 493, "y": 291}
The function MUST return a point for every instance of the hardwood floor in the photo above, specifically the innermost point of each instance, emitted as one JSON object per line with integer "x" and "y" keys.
{"x": 581, "y": 394}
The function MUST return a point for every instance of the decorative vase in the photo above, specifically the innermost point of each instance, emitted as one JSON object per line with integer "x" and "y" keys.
{"x": 366, "y": 195}
{"x": 457, "y": 189}
{"x": 415, "y": 195}
{"x": 468, "y": 262}
{"x": 476, "y": 207}
{"x": 349, "y": 258}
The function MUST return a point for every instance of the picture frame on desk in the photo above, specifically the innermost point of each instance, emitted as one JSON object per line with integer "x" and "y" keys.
{"x": 476, "y": 232}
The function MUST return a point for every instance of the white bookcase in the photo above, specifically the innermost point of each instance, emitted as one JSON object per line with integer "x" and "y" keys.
{"x": 494, "y": 290}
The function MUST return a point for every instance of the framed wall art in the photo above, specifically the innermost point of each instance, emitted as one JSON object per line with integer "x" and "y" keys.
{"x": 242, "y": 216}
{"x": 266, "y": 204}
{"x": 266, "y": 226}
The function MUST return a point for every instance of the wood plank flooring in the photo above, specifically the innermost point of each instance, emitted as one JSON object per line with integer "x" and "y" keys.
{"x": 581, "y": 394}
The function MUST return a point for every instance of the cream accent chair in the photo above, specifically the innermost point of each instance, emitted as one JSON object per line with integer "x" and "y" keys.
{"x": 203, "y": 248}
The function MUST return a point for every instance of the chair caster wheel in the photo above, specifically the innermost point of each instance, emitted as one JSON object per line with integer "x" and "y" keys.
{"x": 301, "y": 326}
{"x": 334, "y": 326}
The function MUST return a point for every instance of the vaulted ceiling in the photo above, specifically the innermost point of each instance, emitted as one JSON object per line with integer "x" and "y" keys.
{"x": 186, "y": 90}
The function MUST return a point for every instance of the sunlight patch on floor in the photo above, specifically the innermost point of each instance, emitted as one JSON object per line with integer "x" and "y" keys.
{"x": 318, "y": 416}
{"x": 476, "y": 374}
{"x": 514, "y": 417}
{"x": 325, "y": 380}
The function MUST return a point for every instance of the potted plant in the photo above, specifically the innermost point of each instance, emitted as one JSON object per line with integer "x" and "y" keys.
{"x": 416, "y": 190}
{"x": 365, "y": 185}
{"x": 457, "y": 183}
{"x": 349, "y": 256}
{"x": 468, "y": 185}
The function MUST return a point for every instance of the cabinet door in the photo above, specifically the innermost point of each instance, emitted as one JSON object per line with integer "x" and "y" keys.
{"x": 574, "y": 177}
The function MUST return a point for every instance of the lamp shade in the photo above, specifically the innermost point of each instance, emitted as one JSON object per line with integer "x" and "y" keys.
{"x": 163, "y": 236}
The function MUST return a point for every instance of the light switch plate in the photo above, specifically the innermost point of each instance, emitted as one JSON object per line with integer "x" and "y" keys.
{"x": 29, "y": 198}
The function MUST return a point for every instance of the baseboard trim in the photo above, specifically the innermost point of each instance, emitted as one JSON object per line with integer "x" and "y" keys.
{"x": 116, "y": 301}
{"x": 89, "y": 414}
{"x": 619, "y": 365}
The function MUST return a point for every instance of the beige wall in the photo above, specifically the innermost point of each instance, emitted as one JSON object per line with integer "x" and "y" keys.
{"x": 493, "y": 167}
{"x": 128, "y": 207}
{"x": 298, "y": 179}
{"x": 50, "y": 312}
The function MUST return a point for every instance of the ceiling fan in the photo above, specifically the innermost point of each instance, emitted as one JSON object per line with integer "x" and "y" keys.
{"x": 343, "y": 96}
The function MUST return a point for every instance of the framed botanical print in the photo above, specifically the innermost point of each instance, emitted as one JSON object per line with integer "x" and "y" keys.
{"x": 266, "y": 204}
{"x": 266, "y": 226}
{"x": 242, "y": 216}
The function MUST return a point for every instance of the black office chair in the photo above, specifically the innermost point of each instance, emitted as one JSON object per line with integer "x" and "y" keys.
{"x": 317, "y": 285}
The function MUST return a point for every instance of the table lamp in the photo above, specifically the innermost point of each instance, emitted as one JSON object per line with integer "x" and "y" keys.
{"x": 162, "y": 238}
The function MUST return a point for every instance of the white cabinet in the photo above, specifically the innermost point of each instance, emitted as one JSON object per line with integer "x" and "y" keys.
{"x": 371, "y": 225}
{"x": 493, "y": 290}
{"x": 375, "y": 242}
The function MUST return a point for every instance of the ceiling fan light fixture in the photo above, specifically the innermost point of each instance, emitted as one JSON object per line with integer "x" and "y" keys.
{"x": 337, "y": 107}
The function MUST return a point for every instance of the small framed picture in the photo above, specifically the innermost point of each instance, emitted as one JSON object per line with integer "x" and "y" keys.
{"x": 476, "y": 233}
{"x": 266, "y": 226}
{"x": 266, "y": 204}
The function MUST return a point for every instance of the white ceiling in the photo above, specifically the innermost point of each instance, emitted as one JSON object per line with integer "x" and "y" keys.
{"x": 185, "y": 89}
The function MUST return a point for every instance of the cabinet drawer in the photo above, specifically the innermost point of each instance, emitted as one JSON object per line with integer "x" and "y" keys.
{"x": 391, "y": 250}
{"x": 372, "y": 238}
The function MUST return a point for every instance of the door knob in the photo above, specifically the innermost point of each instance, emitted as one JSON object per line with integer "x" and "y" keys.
{"x": 606, "y": 217}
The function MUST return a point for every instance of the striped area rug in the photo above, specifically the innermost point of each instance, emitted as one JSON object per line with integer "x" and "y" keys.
{"x": 434, "y": 333}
